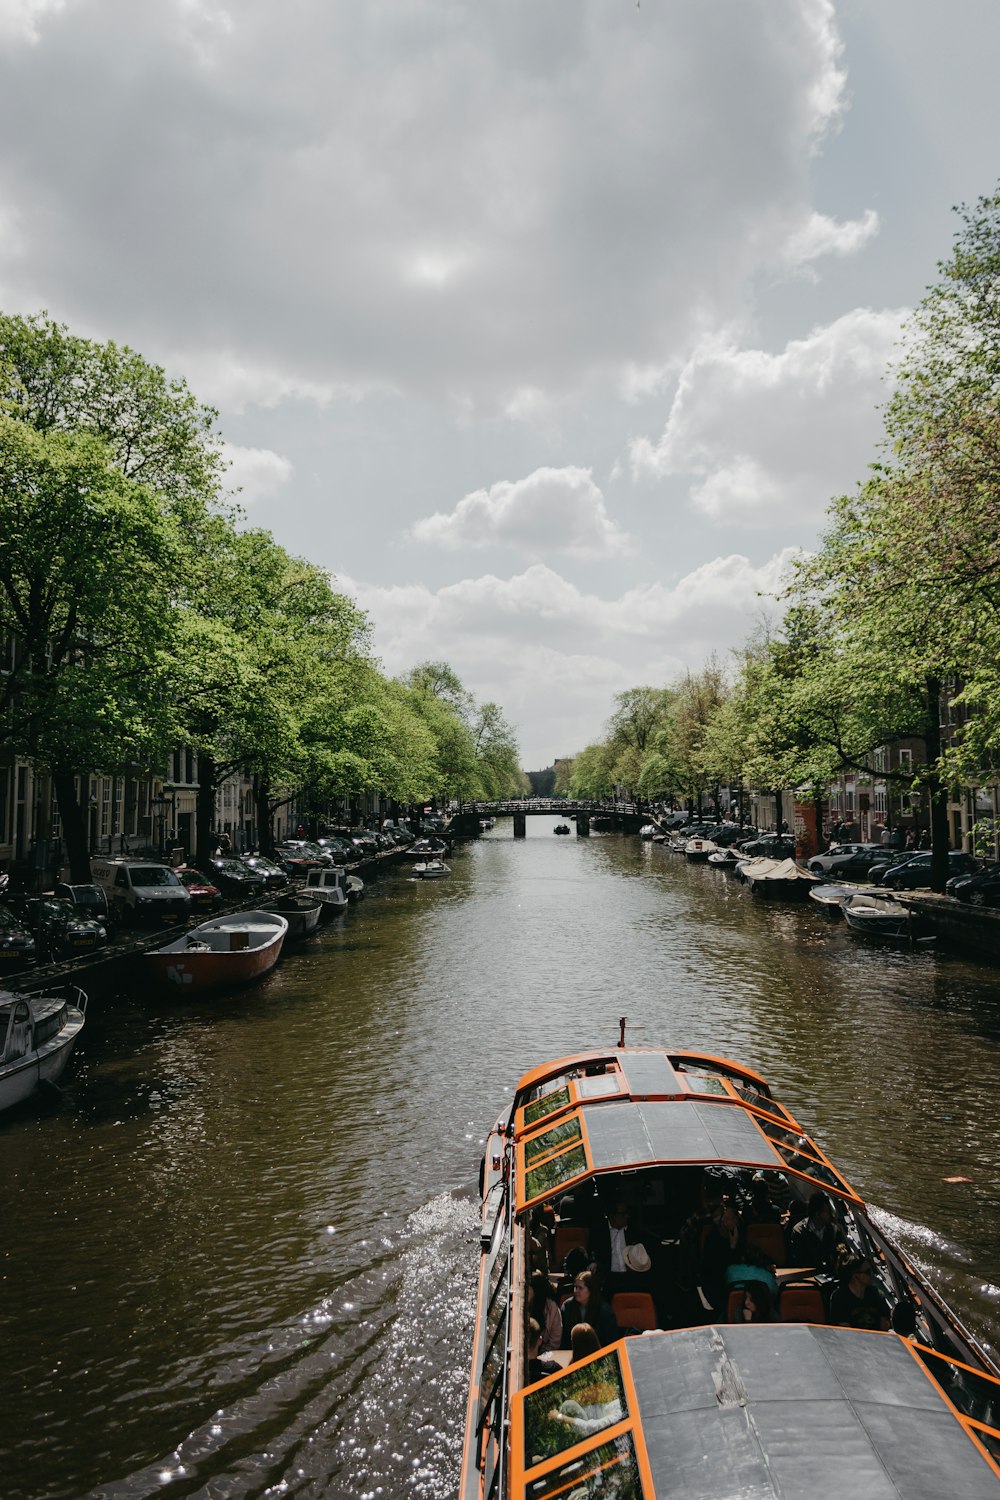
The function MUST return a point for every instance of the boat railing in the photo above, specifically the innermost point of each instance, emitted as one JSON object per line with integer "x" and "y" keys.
{"x": 491, "y": 1357}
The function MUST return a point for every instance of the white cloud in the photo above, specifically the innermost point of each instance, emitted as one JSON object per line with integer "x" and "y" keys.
{"x": 20, "y": 19}
{"x": 256, "y": 472}
{"x": 820, "y": 235}
{"x": 767, "y": 437}
{"x": 492, "y": 204}
{"x": 553, "y": 654}
{"x": 552, "y": 511}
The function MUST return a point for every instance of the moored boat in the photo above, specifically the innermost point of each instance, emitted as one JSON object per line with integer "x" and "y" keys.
{"x": 777, "y": 877}
{"x": 724, "y": 859}
{"x": 698, "y": 850}
{"x": 229, "y": 951}
{"x": 694, "y": 1397}
{"x": 329, "y": 887}
{"x": 878, "y": 915}
{"x": 300, "y": 910}
{"x": 431, "y": 869}
{"x": 37, "y": 1036}
{"x": 830, "y": 897}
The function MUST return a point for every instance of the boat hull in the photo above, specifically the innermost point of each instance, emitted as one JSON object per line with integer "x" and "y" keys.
{"x": 225, "y": 954}
{"x": 45, "y": 1063}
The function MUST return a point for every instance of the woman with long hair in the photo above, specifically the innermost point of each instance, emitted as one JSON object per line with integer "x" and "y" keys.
{"x": 588, "y": 1306}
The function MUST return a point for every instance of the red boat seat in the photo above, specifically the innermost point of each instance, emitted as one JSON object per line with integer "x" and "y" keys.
{"x": 801, "y": 1302}
{"x": 634, "y": 1310}
{"x": 567, "y": 1237}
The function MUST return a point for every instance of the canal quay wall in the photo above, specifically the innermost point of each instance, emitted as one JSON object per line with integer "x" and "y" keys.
{"x": 118, "y": 966}
{"x": 960, "y": 926}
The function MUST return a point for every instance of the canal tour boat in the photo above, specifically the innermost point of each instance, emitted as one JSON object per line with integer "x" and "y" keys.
{"x": 692, "y": 1399}
{"x": 37, "y": 1036}
{"x": 231, "y": 950}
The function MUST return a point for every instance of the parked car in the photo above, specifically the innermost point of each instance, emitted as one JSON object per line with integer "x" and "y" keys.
{"x": 769, "y": 846}
{"x": 90, "y": 900}
{"x": 17, "y": 946}
{"x": 141, "y": 890}
{"x": 847, "y": 861}
{"x": 363, "y": 840}
{"x": 59, "y": 928}
{"x": 980, "y": 889}
{"x": 204, "y": 895}
{"x": 339, "y": 849}
{"x": 305, "y": 847}
{"x": 275, "y": 878}
{"x": 297, "y": 866}
{"x": 916, "y": 872}
{"x": 235, "y": 880}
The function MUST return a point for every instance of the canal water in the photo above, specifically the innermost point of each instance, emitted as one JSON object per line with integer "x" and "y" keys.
{"x": 238, "y": 1256}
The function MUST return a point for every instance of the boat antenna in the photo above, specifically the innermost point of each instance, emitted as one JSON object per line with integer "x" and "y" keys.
{"x": 624, "y": 1021}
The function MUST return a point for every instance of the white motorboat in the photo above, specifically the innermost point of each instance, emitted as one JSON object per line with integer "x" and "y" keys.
{"x": 330, "y": 888}
{"x": 877, "y": 916}
{"x": 431, "y": 869}
{"x": 37, "y": 1035}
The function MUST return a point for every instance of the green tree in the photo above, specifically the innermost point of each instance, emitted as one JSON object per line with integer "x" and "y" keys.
{"x": 121, "y": 461}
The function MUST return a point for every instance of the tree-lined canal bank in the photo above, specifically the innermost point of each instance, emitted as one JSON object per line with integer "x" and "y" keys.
{"x": 238, "y": 1256}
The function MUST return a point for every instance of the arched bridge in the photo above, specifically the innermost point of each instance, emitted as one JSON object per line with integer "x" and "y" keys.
{"x": 624, "y": 817}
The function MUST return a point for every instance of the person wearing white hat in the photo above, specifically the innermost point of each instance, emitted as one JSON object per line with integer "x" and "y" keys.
{"x": 610, "y": 1240}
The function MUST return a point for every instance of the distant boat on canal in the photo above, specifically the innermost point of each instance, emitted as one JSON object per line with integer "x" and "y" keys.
{"x": 432, "y": 869}
{"x": 229, "y": 951}
{"x": 37, "y": 1036}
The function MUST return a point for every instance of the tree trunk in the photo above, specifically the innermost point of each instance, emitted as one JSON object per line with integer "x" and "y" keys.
{"x": 74, "y": 827}
{"x": 937, "y": 789}
{"x": 262, "y": 814}
{"x": 205, "y": 815}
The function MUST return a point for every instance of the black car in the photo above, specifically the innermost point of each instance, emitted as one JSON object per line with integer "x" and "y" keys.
{"x": 916, "y": 872}
{"x": 17, "y": 946}
{"x": 60, "y": 929}
{"x": 275, "y": 878}
{"x": 769, "y": 846}
{"x": 980, "y": 889}
{"x": 89, "y": 900}
{"x": 235, "y": 880}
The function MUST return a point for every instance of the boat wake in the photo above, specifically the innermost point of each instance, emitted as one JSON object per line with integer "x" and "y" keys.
{"x": 364, "y": 1395}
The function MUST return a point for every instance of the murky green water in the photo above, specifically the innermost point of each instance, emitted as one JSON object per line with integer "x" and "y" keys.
{"x": 238, "y": 1257}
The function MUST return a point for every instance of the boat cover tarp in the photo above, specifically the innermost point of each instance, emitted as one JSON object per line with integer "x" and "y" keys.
{"x": 800, "y": 1413}
{"x": 777, "y": 869}
{"x": 626, "y": 1133}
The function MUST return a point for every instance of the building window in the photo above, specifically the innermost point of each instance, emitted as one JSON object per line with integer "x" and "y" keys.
{"x": 906, "y": 760}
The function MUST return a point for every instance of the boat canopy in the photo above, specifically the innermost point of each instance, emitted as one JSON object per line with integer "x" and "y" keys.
{"x": 640, "y": 1109}
{"x": 762, "y": 1410}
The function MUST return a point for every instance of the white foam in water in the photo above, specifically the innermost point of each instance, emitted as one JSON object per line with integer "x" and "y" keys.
{"x": 370, "y": 1404}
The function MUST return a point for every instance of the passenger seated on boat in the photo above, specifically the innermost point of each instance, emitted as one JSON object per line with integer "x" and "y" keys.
{"x": 586, "y": 1305}
{"x": 583, "y": 1341}
{"x": 755, "y": 1305}
{"x": 752, "y": 1267}
{"x": 760, "y": 1209}
{"x": 855, "y": 1303}
{"x": 610, "y": 1239}
{"x": 814, "y": 1240}
{"x": 584, "y": 1420}
{"x": 722, "y": 1245}
{"x": 538, "y": 1368}
{"x": 542, "y": 1305}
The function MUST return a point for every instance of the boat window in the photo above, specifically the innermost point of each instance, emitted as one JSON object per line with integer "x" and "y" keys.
{"x": 564, "y": 1412}
{"x": 546, "y": 1105}
{"x": 598, "y": 1085}
{"x": 554, "y": 1172}
{"x": 705, "y": 1083}
{"x": 563, "y": 1134}
{"x": 610, "y": 1470}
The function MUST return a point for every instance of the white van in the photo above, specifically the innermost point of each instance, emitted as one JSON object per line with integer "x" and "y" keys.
{"x": 139, "y": 890}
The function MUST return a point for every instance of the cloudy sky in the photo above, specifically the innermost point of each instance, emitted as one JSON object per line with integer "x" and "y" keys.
{"x": 548, "y": 326}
